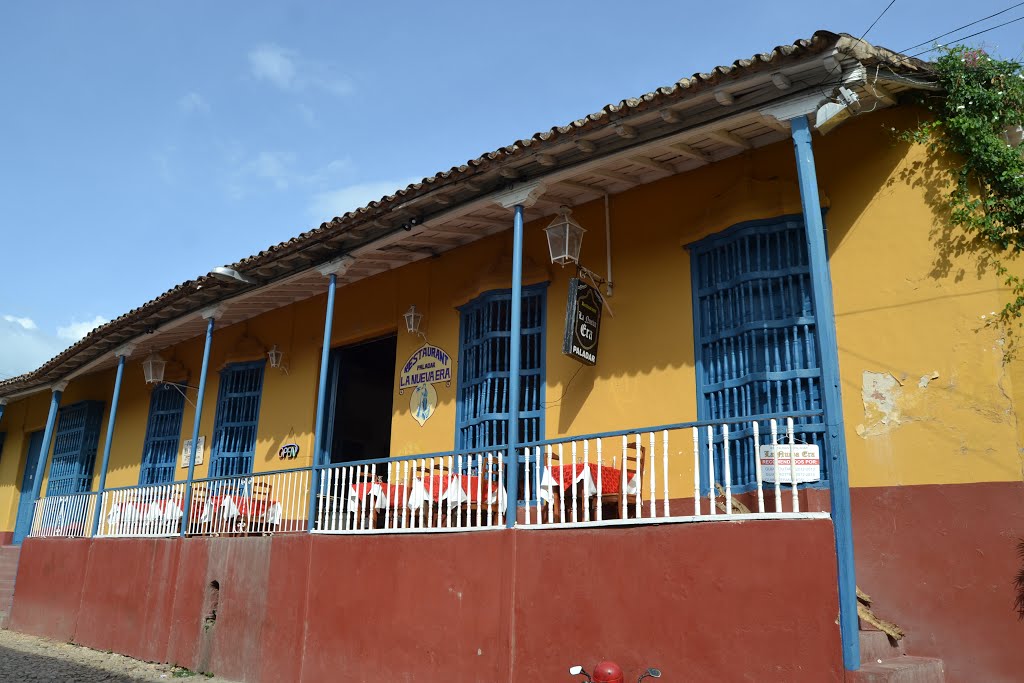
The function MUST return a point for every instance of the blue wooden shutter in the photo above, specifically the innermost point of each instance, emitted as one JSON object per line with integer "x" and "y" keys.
{"x": 755, "y": 334}
{"x": 163, "y": 432}
{"x": 74, "y": 448}
{"x": 238, "y": 411}
{"x": 483, "y": 369}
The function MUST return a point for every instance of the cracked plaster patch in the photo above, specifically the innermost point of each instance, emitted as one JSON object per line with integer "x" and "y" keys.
{"x": 880, "y": 393}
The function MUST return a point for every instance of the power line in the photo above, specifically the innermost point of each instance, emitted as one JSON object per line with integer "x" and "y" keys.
{"x": 931, "y": 40}
{"x": 978, "y": 33}
{"x": 891, "y": 3}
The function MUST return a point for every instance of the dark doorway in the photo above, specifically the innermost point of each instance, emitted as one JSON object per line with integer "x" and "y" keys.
{"x": 362, "y": 392}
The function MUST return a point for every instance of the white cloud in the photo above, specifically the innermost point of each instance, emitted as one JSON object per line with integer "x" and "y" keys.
{"x": 327, "y": 205}
{"x": 279, "y": 169}
{"x": 23, "y": 346}
{"x": 193, "y": 103}
{"x": 25, "y": 323}
{"x": 75, "y": 330}
{"x": 287, "y": 70}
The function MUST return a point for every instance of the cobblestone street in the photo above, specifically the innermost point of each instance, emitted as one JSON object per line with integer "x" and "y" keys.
{"x": 27, "y": 658}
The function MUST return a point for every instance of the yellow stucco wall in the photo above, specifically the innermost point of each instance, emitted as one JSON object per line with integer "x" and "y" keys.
{"x": 926, "y": 393}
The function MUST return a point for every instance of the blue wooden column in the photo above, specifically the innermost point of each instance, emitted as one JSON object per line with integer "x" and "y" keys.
{"x": 832, "y": 400}
{"x": 121, "y": 355}
{"x": 319, "y": 433}
{"x": 210, "y": 316}
{"x": 514, "y": 363}
{"x": 3, "y": 404}
{"x": 44, "y": 448}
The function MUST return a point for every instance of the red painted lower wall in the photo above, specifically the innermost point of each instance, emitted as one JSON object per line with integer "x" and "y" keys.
{"x": 723, "y": 601}
{"x": 940, "y": 561}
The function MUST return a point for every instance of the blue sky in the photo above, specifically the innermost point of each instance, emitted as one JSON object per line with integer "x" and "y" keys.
{"x": 146, "y": 142}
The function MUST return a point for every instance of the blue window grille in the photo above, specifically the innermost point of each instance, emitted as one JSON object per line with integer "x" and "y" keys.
{"x": 238, "y": 411}
{"x": 755, "y": 337}
{"x": 163, "y": 432}
{"x": 484, "y": 341}
{"x": 74, "y": 448}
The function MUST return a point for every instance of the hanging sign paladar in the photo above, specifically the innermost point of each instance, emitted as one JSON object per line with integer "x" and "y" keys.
{"x": 781, "y": 462}
{"x": 427, "y": 366}
{"x": 582, "y": 322}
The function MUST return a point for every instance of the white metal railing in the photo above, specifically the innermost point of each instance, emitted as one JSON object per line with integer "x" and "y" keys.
{"x": 69, "y": 516}
{"x": 461, "y": 491}
{"x": 271, "y": 503}
{"x": 627, "y": 476}
{"x": 142, "y": 511}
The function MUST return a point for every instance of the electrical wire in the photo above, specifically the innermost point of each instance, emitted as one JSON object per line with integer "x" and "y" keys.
{"x": 978, "y": 33}
{"x": 877, "y": 19}
{"x": 960, "y": 28}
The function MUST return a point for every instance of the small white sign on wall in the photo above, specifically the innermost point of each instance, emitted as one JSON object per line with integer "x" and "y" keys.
{"x": 186, "y": 451}
{"x": 806, "y": 462}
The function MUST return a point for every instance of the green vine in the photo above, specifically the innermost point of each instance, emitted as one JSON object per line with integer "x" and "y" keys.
{"x": 982, "y": 98}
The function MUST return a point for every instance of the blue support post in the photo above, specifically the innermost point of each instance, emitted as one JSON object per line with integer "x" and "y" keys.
{"x": 514, "y": 361}
{"x": 187, "y": 501}
{"x": 321, "y": 399}
{"x": 110, "y": 436}
{"x": 835, "y": 437}
{"x": 51, "y": 421}
{"x": 3, "y": 404}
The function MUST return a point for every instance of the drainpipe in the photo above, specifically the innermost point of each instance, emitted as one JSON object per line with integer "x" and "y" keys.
{"x": 319, "y": 446}
{"x": 835, "y": 438}
{"x": 51, "y": 421}
{"x": 211, "y": 315}
{"x": 121, "y": 354}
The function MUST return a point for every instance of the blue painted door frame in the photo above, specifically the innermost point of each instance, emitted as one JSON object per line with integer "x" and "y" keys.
{"x": 26, "y": 503}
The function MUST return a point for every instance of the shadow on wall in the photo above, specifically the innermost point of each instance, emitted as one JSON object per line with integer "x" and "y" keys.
{"x": 1018, "y": 582}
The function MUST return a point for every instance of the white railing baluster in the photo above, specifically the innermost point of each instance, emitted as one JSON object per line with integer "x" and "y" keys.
{"x": 664, "y": 472}
{"x": 561, "y": 484}
{"x": 727, "y": 469}
{"x": 711, "y": 471}
{"x": 493, "y": 488}
{"x": 639, "y": 482}
{"x": 538, "y": 480}
{"x": 586, "y": 473}
{"x": 448, "y": 491}
{"x": 775, "y": 465}
{"x": 526, "y": 487}
{"x": 623, "y": 501}
{"x": 792, "y": 463}
{"x": 573, "y": 480}
{"x": 551, "y": 498}
{"x": 653, "y": 459}
{"x": 696, "y": 472}
{"x": 480, "y": 490}
{"x": 600, "y": 488}
{"x": 757, "y": 466}
{"x": 502, "y": 488}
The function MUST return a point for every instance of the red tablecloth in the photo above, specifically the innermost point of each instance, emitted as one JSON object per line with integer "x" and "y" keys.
{"x": 565, "y": 476}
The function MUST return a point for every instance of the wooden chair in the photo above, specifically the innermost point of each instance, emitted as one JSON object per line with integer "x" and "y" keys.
{"x": 477, "y": 509}
{"x": 421, "y": 471}
{"x": 254, "y": 519}
{"x": 556, "y": 505}
{"x": 634, "y": 463}
{"x": 193, "y": 517}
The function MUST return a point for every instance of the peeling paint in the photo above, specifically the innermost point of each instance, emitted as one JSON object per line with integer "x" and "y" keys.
{"x": 880, "y": 393}
{"x": 925, "y": 379}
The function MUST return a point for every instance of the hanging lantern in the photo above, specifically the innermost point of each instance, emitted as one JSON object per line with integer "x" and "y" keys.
{"x": 565, "y": 237}
{"x": 413, "y": 318}
{"x": 153, "y": 369}
{"x": 275, "y": 356}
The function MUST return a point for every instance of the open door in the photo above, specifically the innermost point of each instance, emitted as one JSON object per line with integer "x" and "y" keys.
{"x": 361, "y": 394}
{"x": 26, "y": 504}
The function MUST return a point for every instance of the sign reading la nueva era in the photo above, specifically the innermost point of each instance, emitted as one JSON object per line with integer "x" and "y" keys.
{"x": 781, "y": 462}
{"x": 427, "y": 365}
{"x": 582, "y": 322}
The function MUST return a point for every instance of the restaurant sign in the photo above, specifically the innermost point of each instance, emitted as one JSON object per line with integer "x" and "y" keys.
{"x": 426, "y": 367}
{"x": 582, "y": 322}
{"x": 801, "y": 458}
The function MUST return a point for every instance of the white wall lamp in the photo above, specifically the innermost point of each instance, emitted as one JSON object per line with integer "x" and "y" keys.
{"x": 565, "y": 238}
{"x": 413, "y": 318}
{"x": 274, "y": 356}
{"x": 153, "y": 369}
